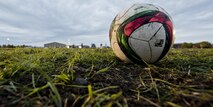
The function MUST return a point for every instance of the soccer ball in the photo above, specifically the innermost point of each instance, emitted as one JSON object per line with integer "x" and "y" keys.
{"x": 142, "y": 33}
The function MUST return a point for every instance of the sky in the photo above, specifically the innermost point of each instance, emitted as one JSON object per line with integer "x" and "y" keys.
{"x": 36, "y": 22}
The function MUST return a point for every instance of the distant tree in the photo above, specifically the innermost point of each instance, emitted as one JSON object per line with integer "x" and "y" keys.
{"x": 196, "y": 45}
{"x": 4, "y": 46}
{"x": 72, "y": 46}
{"x": 205, "y": 44}
{"x": 93, "y": 45}
{"x": 187, "y": 45}
{"x": 0, "y": 46}
{"x": 23, "y": 46}
{"x": 10, "y": 46}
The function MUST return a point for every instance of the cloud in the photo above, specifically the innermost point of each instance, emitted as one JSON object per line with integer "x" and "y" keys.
{"x": 36, "y": 22}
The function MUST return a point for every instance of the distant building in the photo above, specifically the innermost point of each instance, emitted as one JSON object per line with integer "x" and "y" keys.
{"x": 86, "y": 46}
{"x": 54, "y": 45}
{"x": 78, "y": 46}
{"x": 73, "y": 46}
{"x": 106, "y": 47}
{"x": 83, "y": 46}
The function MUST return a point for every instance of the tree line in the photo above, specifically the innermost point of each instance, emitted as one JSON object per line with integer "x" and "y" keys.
{"x": 14, "y": 46}
{"x": 203, "y": 44}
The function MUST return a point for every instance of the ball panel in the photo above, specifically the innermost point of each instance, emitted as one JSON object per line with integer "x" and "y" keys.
{"x": 114, "y": 43}
{"x": 119, "y": 53}
{"x": 157, "y": 44}
{"x": 146, "y": 31}
{"x": 124, "y": 14}
{"x": 121, "y": 40}
{"x": 141, "y": 48}
{"x": 131, "y": 11}
{"x": 135, "y": 24}
{"x": 164, "y": 11}
{"x": 139, "y": 7}
{"x": 126, "y": 49}
{"x": 168, "y": 42}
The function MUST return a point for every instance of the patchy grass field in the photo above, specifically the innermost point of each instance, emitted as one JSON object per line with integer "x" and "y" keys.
{"x": 95, "y": 77}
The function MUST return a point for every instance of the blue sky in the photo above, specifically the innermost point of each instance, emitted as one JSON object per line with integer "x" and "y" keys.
{"x": 35, "y": 22}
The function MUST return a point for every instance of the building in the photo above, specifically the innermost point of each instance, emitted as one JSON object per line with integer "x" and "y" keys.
{"x": 72, "y": 46}
{"x": 83, "y": 46}
{"x": 78, "y": 46}
{"x": 54, "y": 45}
{"x": 101, "y": 46}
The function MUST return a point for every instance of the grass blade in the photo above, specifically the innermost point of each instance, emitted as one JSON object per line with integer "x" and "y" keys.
{"x": 58, "y": 100}
{"x": 90, "y": 91}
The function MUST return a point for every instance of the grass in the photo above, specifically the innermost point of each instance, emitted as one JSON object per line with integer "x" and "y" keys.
{"x": 95, "y": 77}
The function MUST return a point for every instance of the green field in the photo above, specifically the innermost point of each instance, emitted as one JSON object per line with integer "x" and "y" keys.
{"x": 95, "y": 77}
